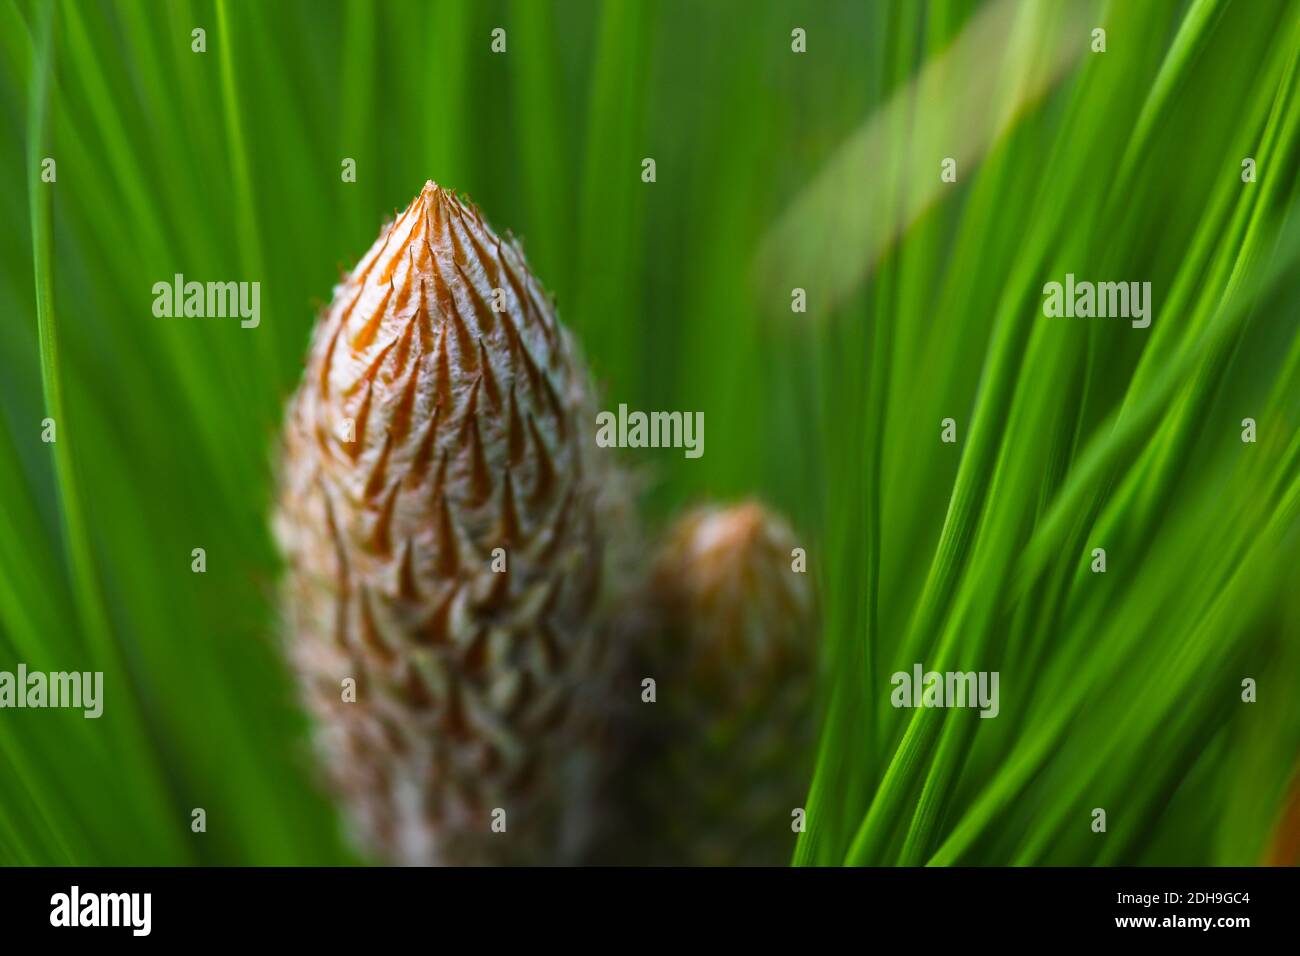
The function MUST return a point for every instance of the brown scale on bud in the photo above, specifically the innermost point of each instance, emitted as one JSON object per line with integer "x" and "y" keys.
{"x": 442, "y": 432}
{"x": 736, "y": 668}
{"x": 727, "y": 574}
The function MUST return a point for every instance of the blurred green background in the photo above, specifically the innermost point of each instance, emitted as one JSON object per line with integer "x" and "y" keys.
{"x": 1120, "y": 691}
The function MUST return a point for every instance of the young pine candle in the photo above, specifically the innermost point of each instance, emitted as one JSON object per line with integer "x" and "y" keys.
{"x": 454, "y": 540}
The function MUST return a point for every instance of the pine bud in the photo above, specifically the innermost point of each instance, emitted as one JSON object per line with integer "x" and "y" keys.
{"x": 737, "y": 672}
{"x": 450, "y": 530}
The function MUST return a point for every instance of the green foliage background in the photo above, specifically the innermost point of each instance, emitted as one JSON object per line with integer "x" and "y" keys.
{"x": 1119, "y": 691}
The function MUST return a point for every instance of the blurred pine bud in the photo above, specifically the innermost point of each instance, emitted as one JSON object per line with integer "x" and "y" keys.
{"x": 735, "y": 676}
{"x": 452, "y": 536}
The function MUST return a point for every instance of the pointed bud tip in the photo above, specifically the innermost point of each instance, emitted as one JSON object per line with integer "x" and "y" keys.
{"x": 728, "y": 533}
{"x": 723, "y": 571}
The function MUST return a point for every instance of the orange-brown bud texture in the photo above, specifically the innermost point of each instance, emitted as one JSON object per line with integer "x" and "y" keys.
{"x": 450, "y": 530}
{"x": 739, "y": 607}
{"x": 736, "y": 671}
